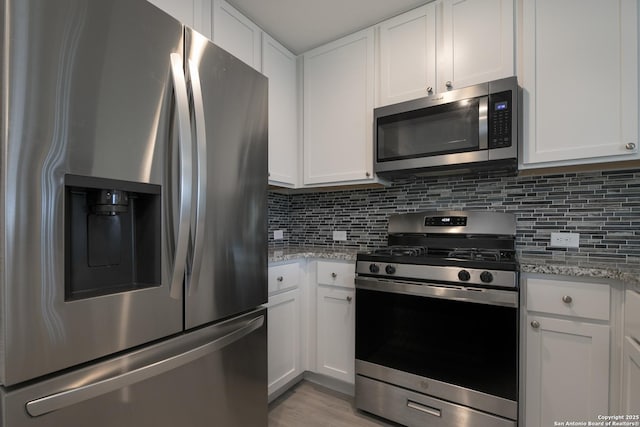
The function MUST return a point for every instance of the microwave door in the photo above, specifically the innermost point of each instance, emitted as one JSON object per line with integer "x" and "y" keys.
{"x": 451, "y": 133}
{"x": 90, "y": 109}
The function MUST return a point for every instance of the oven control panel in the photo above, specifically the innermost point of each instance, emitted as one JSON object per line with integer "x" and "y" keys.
{"x": 445, "y": 221}
{"x": 430, "y": 273}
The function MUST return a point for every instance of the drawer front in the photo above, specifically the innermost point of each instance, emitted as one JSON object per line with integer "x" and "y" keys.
{"x": 587, "y": 300}
{"x": 632, "y": 314}
{"x": 282, "y": 277}
{"x": 337, "y": 274}
{"x": 415, "y": 409}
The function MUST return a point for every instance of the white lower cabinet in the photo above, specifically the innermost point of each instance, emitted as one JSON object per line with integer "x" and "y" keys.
{"x": 631, "y": 377}
{"x": 567, "y": 370}
{"x": 336, "y": 333}
{"x": 567, "y": 352}
{"x": 311, "y": 323}
{"x": 284, "y": 351}
{"x": 631, "y": 355}
{"x": 336, "y": 315}
{"x": 284, "y": 317}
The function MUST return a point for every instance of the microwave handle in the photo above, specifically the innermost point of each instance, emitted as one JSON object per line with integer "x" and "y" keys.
{"x": 483, "y": 123}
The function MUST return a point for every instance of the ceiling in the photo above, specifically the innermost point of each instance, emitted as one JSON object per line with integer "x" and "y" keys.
{"x": 301, "y": 25}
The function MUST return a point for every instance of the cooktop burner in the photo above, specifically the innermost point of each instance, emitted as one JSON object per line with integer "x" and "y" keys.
{"x": 479, "y": 254}
{"x": 401, "y": 251}
{"x": 480, "y": 240}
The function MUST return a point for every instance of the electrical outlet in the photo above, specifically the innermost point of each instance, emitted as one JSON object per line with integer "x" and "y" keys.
{"x": 339, "y": 235}
{"x": 565, "y": 240}
{"x": 278, "y": 235}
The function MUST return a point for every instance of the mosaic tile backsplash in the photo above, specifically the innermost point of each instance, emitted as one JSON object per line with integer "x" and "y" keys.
{"x": 603, "y": 207}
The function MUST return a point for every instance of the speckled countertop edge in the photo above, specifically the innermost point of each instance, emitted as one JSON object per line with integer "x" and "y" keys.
{"x": 296, "y": 252}
{"x": 626, "y": 273}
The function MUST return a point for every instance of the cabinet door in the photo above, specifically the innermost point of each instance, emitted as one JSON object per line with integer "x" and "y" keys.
{"x": 283, "y": 343}
{"x": 567, "y": 371}
{"x": 193, "y": 13}
{"x": 236, "y": 34}
{"x": 279, "y": 65}
{"x": 407, "y": 55}
{"x": 336, "y": 333}
{"x": 338, "y": 110}
{"x": 182, "y": 10}
{"x": 580, "y": 80}
{"x": 631, "y": 377}
{"x": 475, "y": 42}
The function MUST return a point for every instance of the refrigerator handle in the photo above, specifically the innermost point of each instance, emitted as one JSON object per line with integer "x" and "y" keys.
{"x": 201, "y": 179}
{"x": 184, "y": 129}
{"x": 74, "y": 396}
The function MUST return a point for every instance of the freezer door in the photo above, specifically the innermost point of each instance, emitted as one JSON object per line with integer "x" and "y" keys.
{"x": 86, "y": 92}
{"x": 229, "y": 101}
{"x": 212, "y": 376}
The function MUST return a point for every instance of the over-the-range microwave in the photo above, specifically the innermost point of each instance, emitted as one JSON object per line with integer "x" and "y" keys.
{"x": 472, "y": 129}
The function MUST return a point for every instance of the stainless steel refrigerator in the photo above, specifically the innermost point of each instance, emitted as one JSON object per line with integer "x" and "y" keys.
{"x": 133, "y": 172}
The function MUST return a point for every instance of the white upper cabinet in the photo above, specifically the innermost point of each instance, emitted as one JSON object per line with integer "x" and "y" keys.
{"x": 580, "y": 80}
{"x": 475, "y": 42}
{"x": 193, "y": 13}
{"x": 236, "y": 34}
{"x": 338, "y": 111}
{"x": 182, "y": 10}
{"x": 407, "y": 56}
{"x": 445, "y": 45}
{"x": 279, "y": 65}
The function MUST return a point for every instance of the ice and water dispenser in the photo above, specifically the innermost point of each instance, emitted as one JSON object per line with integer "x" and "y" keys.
{"x": 112, "y": 236}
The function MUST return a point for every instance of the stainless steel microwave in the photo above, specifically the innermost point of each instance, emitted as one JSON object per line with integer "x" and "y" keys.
{"x": 471, "y": 129}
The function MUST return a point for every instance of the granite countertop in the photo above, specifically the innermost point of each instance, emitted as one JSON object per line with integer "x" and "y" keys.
{"x": 296, "y": 252}
{"x": 628, "y": 273}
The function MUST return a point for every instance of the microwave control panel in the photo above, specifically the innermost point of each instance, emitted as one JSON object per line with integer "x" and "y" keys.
{"x": 500, "y": 134}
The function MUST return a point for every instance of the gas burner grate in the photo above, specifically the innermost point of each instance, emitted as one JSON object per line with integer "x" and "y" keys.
{"x": 477, "y": 254}
{"x": 401, "y": 251}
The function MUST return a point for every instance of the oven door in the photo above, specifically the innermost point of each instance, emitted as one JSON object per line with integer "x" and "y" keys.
{"x": 456, "y": 344}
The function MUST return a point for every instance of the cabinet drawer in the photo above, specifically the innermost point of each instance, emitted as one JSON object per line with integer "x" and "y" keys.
{"x": 336, "y": 274}
{"x": 632, "y": 314}
{"x": 576, "y": 299}
{"x": 285, "y": 276}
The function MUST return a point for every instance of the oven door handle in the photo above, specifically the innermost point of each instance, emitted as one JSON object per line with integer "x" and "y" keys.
{"x": 442, "y": 291}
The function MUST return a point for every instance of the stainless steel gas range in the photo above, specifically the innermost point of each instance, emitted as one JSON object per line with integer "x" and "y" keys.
{"x": 437, "y": 321}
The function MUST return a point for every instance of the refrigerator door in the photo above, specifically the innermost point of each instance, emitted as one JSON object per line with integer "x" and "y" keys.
{"x": 87, "y": 92}
{"x": 213, "y": 376}
{"x": 229, "y": 247}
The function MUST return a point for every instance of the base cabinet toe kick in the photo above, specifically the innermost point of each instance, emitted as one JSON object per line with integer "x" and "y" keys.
{"x": 417, "y": 409}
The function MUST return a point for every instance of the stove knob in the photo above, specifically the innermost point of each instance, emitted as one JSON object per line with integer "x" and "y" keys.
{"x": 486, "y": 277}
{"x": 390, "y": 269}
{"x": 374, "y": 268}
{"x": 464, "y": 275}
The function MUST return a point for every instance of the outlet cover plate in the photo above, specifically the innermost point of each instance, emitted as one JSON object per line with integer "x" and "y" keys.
{"x": 278, "y": 235}
{"x": 565, "y": 240}
{"x": 339, "y": 235}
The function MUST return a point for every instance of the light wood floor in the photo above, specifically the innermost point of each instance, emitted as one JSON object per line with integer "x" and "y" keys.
{"x": 311, "y": 405}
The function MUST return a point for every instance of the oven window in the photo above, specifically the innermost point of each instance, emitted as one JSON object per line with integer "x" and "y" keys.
{"x": 467, "y": 344}
{"x": 445, "y": 129}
